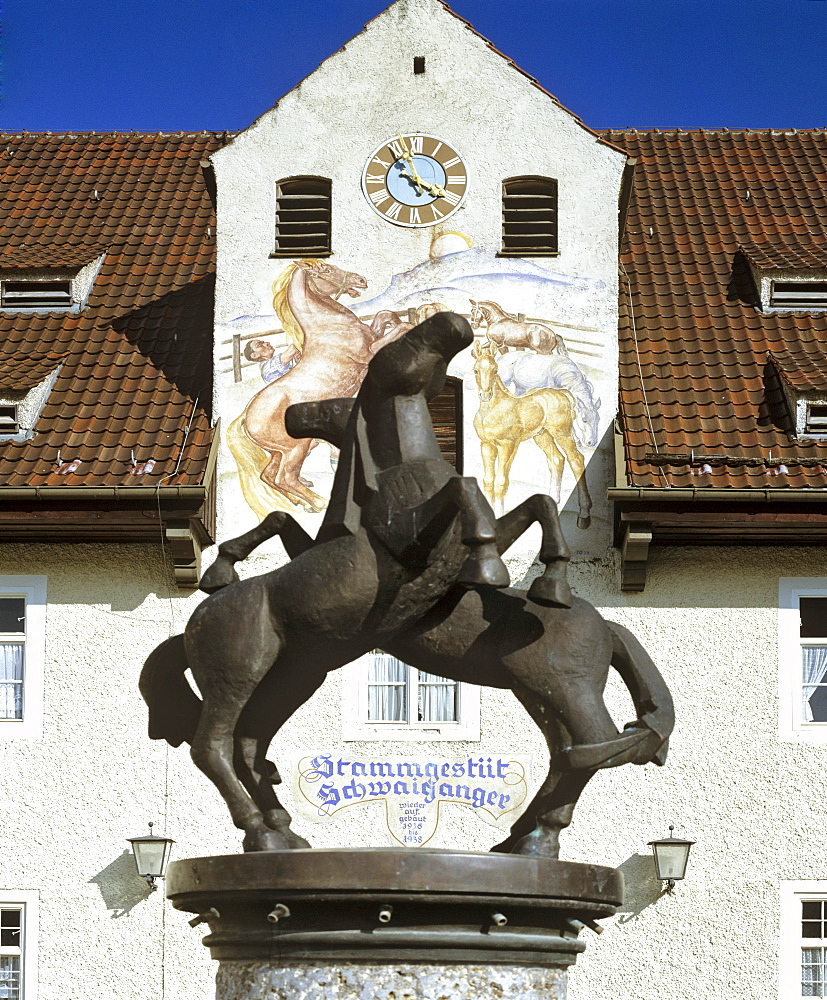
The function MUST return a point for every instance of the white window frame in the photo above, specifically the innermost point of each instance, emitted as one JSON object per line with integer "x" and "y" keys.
{"x": 33, "y": 589}
{"x": 29, "y": 902}
{"x": 792, "y": 728}
{"x": 356, "y": 725}
{"x": 793, "y": 893}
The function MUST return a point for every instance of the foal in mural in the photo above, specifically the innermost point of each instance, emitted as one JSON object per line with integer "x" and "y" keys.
{"x": 332, "y": 348}
{"x": 503, "y": 422}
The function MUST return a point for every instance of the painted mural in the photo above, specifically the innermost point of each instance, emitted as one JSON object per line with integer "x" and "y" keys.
{"x": 532, "y": 381}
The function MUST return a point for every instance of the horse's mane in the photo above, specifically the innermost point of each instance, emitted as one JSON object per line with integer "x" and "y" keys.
{"x": 281, "y": 308}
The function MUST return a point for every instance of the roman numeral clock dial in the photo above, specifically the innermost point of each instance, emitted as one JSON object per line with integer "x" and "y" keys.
{"x": 415, "y": 180}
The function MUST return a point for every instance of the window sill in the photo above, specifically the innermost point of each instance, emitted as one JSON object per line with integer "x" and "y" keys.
{"x": 356, "y": 732}
{"x": 299, "y": 255}
{"x": 528, "y": 253}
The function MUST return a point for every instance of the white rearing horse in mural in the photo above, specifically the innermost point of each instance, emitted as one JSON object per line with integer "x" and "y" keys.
{"x": 336, "y": 347}
{"x": 522, "y": 371}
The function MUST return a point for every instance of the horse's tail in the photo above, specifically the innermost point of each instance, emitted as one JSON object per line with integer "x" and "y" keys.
{"x": 251, "y": 461}
{"x": 174, "y": 708}
{"x": 647, "y": 738}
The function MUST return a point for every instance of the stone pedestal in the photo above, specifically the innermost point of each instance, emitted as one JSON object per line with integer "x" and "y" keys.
{"x": 392, "y": 924}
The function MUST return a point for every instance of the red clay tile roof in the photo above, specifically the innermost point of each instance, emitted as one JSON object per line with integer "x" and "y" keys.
{"x": 789, "y": 256}
{"x": 695, "y": 377}
{"x": 36, "y": 256}
{"x": 19, "y": 374}
{"x": 136, "y": 361}
{"x": 804, "y": 372}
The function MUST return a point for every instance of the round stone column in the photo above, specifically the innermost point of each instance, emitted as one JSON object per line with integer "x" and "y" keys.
{"x": 392, "y": 924}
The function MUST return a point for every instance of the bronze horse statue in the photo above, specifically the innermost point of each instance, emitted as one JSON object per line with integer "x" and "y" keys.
{"x": 407, "y": 559}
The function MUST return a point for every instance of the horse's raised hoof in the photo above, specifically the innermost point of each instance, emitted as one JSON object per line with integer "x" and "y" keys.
{"x": 584, "y": 521}
{"x": 221, "y": 574}
{"x": 483, "y": 568}
{"x": 551, "y": 592}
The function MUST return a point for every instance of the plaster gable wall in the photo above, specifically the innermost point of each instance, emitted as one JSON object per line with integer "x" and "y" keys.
{"x": 502, "y": 124}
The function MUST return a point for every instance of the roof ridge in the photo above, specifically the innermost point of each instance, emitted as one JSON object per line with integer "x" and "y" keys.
{"x": 217, "y": 133}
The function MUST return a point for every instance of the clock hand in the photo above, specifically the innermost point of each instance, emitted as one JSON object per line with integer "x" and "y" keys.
{"x": 408, "y": 157}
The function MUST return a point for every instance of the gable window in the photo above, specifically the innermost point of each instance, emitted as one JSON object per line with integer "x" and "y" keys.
{"x": 529, "y": 217}
{"x": 18, "y": 945}
{"x": 385, "y": 699}
{"x": 40, "y": 294}
{"x": 798, "y": 295}
{"x": 303, "y": 217}
{"x": 803, "y": 658}
{"x": 22, "y": 635}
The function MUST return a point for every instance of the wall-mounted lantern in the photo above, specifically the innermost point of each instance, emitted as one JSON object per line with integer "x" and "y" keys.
{"x": 151, "y": 856}
{"x": 671, "y": 858}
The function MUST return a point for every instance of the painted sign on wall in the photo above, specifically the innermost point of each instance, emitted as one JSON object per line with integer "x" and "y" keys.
{"x": 413, "y": 791}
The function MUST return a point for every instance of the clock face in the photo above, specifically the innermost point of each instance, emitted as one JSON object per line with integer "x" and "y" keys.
{"x": 415, "y": 180}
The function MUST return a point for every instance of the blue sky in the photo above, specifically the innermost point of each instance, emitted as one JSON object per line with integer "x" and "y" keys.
{"x": 193, "y": 64}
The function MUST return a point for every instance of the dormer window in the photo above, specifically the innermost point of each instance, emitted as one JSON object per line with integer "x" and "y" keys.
{"x": 798, "y": 295}
{"x": 303, "y": 217}
{"x": 37, "y": 294}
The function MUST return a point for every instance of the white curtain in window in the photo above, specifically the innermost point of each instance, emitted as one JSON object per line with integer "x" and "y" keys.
{"x": 814, "y": 665}
{"x": 9, "y": 977}
{"x": 387, "y": 688}
{"x": 812, "y": 972}
{"x": 11, "y": 680}
{"x": 437, "y": 698}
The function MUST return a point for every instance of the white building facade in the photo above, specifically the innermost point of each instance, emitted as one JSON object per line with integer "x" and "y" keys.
{"x": 511, "y": 214}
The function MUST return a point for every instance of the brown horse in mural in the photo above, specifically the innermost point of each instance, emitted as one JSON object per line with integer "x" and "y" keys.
{"x": 505, "y": 332}
{"x": 504, "y": 421}
{"x": 336, "y": 347}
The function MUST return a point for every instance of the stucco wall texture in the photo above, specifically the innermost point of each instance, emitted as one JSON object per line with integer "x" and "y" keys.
{"x": 94, "y": 778}
{"x": 708, "y": 618}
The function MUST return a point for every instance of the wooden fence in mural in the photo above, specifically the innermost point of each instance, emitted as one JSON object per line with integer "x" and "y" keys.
{"x": 235, "y": 362}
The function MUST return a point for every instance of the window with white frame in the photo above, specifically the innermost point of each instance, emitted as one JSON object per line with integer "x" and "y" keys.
{"x": 385, "y": 698}
{"x": 22, "y": 639}
{"x": 18, "y": 945}
{"x": 802, "y": 640}
{"x": 803, "y": 951}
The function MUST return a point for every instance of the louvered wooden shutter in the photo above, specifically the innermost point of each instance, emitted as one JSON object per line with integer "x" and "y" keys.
{"x": 37, "y": 294}
{"x": 798, "y": 295}
{"x": 529, "y": 217}
{"x": 303, "y": 217}
{"x": 446, "y": 416}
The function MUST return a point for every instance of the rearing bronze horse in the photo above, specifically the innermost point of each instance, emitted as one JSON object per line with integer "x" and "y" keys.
{"x": 407, "y": 559}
